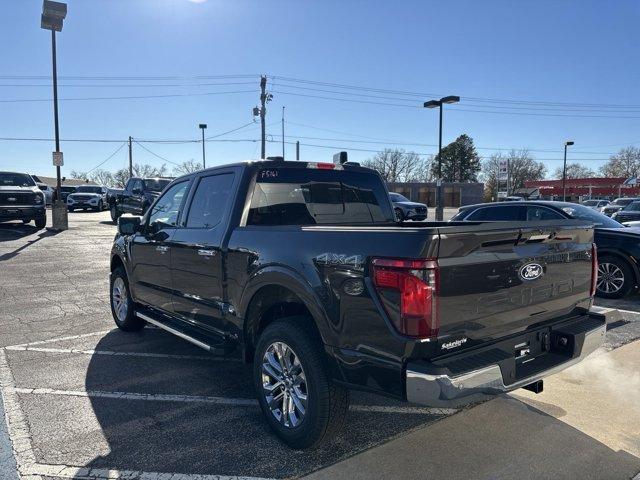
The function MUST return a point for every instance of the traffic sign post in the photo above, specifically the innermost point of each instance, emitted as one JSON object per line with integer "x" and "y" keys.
{"x": 58, "y": 159}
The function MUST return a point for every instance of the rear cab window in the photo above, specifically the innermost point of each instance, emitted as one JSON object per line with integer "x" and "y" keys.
{"x": 308, "y": 196}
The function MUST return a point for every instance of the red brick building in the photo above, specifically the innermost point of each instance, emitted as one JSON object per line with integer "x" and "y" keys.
{"x": 581, "y": 188}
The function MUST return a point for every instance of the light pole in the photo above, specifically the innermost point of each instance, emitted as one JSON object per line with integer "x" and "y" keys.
{"x": 434, "y": 104}
{"x": 203, "y": 127}
{"x": 53, "y": 15}
{"x": 564, "y": 171}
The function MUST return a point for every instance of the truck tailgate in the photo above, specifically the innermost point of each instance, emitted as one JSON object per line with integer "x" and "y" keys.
{"x": 503, "y": 278}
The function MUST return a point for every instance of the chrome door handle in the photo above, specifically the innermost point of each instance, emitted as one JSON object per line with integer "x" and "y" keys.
{"x": 162, "y": 249}
{"x": 206, "y": 253}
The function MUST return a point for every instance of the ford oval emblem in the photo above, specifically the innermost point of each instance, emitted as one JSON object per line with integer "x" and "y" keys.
{"x": 531, "y": 271}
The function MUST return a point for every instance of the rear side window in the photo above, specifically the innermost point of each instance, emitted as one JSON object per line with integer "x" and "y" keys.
{"x": 542, "y": 213}
{"x": 503, "y": 213}
{"x": 299, "y": 196}
{"x": 210, "y": 201}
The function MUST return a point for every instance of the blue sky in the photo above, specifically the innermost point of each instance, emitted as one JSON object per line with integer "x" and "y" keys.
{"x": 558, "y": 52}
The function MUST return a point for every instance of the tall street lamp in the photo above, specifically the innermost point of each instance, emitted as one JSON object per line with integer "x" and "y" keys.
{"x": 434, "y": 104}
{"x": 564, "y": 171}
{"x": 203, "y": 127}
{"x": 53, "y": 15}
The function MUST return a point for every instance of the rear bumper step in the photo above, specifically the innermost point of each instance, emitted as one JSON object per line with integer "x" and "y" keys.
{"x": 437, "y": 386}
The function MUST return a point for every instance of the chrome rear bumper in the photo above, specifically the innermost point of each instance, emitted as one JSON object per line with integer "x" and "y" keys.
{"x": 476, "y": 385}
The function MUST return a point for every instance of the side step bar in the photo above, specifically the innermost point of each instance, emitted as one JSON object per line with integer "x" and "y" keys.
{"x": 215, "y": 349}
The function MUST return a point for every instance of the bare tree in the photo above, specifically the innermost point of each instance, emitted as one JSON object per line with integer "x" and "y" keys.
{"x": 574, "y": 170}
{"x": 396, "y": 165}
{"x": 186, "y": 167}
{"x": 102, "y": 177}
{"x": 121, "y": 177}
{"x": 625, "y": 163}
{"x": 522, "y": 167}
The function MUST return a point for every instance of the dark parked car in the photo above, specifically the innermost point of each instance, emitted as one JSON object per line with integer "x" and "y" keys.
{"x": 629, "y": 213}
{"x": 21, "y": 199}
{"x": 137, "y": 196}
{"x": 618, "y": 246}
{"x": 405, "y": 209}
{"x": 617, "y": 205}
{"x": 88, "y": 197}
{"x": 303, "y": 267}
{"x": 65, "y": 191}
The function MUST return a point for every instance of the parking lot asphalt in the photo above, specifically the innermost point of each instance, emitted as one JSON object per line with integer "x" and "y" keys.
{"x": 84, "y": 400}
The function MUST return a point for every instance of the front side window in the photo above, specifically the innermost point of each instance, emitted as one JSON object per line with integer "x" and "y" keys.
{"x": 164, "y": 213}
{"x": 210, "y": 201}
{"x": 298, "y": 196}
{"x": 632, "y": 207}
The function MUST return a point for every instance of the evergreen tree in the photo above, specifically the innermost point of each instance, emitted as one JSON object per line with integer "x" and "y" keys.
{"x": 460, "y": 161}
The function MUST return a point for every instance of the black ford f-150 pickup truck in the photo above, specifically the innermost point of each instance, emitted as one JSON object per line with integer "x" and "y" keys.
{"x": 137, "y": 196}
{"x": 304, "y": 268}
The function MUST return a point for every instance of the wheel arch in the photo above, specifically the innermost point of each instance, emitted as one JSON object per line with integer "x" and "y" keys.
{"x": 275, "y": 293}
{"x": 624, "y": 257}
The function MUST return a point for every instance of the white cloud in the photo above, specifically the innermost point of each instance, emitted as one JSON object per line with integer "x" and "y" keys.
{"x": 197, "y": 1}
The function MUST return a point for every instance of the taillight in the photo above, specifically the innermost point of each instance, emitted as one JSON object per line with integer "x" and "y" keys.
{"x": 594, "y": 269}
{"x": 413, "y": 284}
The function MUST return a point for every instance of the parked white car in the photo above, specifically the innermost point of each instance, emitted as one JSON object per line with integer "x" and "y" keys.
{"x": 85, "y": 197}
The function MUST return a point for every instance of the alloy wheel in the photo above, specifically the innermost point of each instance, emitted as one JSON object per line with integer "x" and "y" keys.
{"x": 119, "y": 299}
{"x": 610, "y": 278}
{"x": 284, "y": 384}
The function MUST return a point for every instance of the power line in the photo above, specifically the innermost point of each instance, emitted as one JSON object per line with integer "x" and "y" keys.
{"x": 108, "y": 158}
{"x": 156, "y": 155}
{"x": 422, "y": 95}
{"x": 132, "y": 78}
{"x": 139, "y": 85}
{"x": 129, "y": 97}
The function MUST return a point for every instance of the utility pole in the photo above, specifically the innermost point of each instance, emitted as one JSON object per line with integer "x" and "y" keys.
{"x": 283, "y": 132}
{"x": 263, "y": 112}
{"x": 130, "y": 158}
{"x": 508, "y": 176}
{"x": 564, "y": 170}
{"x": 202, "y": 127}
{"x": 298, "y": 150}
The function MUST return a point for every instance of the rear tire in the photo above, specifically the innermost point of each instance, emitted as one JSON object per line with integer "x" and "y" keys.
{"x": 304, "y": 380}
{"x": 615, "y": 277}
{"x": 115, "y": 214}
{"x": 122, "y": 306}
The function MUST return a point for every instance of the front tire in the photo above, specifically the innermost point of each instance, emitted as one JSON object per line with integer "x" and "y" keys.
{"x": 300, "y": 403}
{"x": 399, "y": 215}
{"x": 41, "y": 222}
{"x": 99, "y": 207}
{"x": 615, "y": 277}
{"x": 122, "y": 306}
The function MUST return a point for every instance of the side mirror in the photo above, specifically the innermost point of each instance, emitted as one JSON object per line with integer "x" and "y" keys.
{"x": 128, "y": 225}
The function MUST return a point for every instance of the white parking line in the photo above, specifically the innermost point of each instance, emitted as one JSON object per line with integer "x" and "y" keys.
{"x": 236, "y": 402}
{"x": 21, "y": 348}
{"x": 69, "y": 471}
{"x": 60, "y": 339}
{"x": 28, "y": 468}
